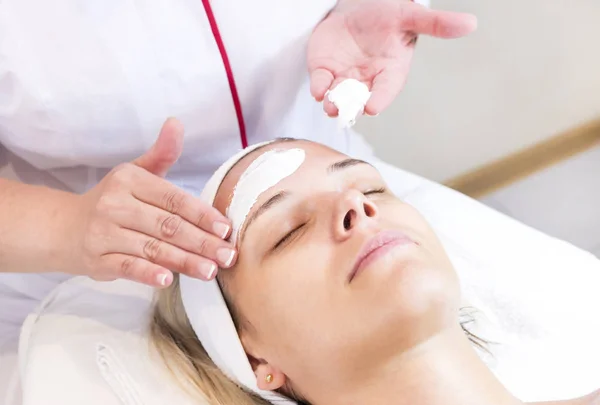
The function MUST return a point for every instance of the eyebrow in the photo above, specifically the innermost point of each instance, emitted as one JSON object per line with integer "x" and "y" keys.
{"x": 282, "y": 195}
{"x": 344, "y": 164}
{"x": 264, "y": 207}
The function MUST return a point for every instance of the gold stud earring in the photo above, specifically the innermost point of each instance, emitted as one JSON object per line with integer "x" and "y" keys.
{"x": 269, "y": 378}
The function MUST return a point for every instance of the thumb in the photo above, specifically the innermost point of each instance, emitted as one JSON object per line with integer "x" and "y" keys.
{"x": 436, "y": 23}
{"x": 165, "y": 151}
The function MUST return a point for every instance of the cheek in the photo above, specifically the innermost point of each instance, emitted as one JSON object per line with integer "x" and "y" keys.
{"x": 294, "y": 285}
{"x": 293, "y": 300}
{"x": 437, "y": 268}
{"x": 406, "y": 215}
{"x": 407, "y": 218}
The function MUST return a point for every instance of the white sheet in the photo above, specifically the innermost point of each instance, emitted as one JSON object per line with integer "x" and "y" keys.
{"x": 539, "y": 293}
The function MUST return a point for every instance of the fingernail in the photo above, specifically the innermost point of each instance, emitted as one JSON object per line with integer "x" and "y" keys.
{"x": 225, "y": 256}
{"x": 163, "y": 279}
{"x": 208, "y": 270}
{"x": 220, "y": 229}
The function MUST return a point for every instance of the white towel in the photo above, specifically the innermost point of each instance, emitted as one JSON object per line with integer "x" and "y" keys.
{"x": 540, "y": 297}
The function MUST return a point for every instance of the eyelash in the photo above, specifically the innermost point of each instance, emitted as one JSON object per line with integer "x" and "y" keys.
{"x": 289, "y": 235}
{"x": 376, "y": 191}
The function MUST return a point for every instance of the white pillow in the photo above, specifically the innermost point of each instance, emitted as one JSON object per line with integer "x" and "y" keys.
{"x": 88, "y": 344}
{"x": 540, "y": 293}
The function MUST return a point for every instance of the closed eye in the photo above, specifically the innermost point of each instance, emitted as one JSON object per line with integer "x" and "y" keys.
{"x": 375, "y": 191}
{"x": 287, "y": 237}
{"x": 290, "y": 234}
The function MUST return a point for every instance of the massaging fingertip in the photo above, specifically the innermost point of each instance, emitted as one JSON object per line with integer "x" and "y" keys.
{"x": 163, "y": 279}
{"x": 225, "y": 256}
{"x": 207, "y": 270}
{"x": 221, "y": 229}
{"x": 212, "y": 273}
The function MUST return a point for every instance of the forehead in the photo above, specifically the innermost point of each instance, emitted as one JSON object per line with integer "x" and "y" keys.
{"x": 315, "y": 153}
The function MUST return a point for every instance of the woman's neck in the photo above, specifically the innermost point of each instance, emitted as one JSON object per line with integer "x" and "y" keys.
{"x": 442, "y": 371}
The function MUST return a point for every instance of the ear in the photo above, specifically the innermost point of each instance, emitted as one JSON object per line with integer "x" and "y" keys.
{"x": 268, "y": 377}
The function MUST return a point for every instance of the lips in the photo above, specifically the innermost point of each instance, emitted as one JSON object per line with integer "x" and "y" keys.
{"x": 378, "y": 246}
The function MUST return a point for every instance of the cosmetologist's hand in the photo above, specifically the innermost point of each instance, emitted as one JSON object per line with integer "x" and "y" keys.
{"x": 373, "y": 41}
{"x": 136, "y": 225}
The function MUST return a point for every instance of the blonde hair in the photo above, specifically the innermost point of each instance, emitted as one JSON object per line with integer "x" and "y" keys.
{"x": 179, "y": 347}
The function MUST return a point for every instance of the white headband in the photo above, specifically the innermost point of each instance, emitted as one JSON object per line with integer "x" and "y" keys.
{"x": 209, "y": 316}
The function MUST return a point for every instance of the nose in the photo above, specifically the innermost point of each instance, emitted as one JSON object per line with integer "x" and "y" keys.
{"x": 354, "y": 210}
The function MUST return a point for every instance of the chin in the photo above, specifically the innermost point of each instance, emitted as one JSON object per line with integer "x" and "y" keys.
{"x": 396, "y": 315}
{"x": 416, "y": 300}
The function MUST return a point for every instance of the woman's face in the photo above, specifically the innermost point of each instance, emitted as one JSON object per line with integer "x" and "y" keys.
{"x": 314, "y": 310}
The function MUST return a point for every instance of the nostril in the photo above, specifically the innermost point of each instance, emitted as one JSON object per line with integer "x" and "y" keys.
{"x": 348, "y": 220}
{"x": 369, "y": 210}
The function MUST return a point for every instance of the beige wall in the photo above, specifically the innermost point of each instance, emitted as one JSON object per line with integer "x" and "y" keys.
{"x": 531, "y": 71}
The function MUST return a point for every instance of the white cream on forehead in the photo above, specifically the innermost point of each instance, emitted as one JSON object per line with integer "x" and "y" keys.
{"x": 265, "y": 172}
{"x": 350, "y": 98}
